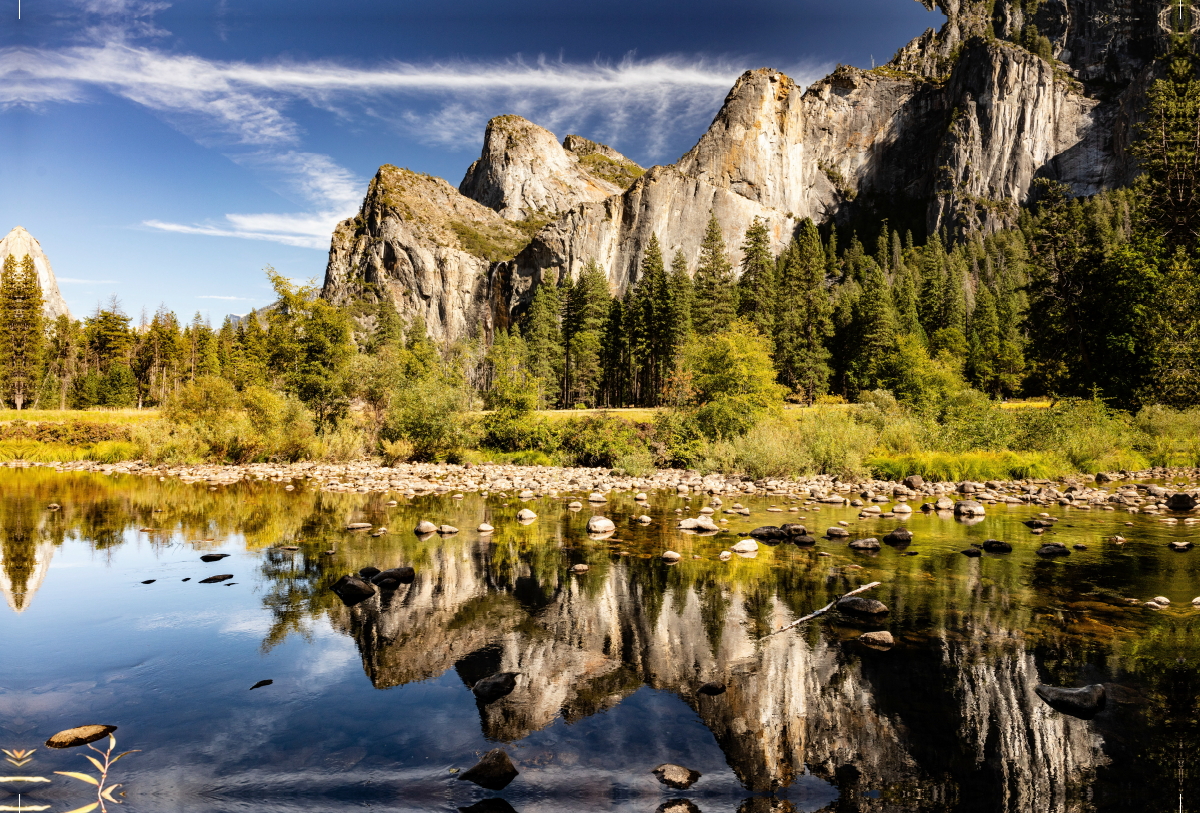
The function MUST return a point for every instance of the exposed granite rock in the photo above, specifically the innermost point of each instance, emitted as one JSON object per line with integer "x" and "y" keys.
{"x": 524, "y": 173}
{"x": 18, "y": 243}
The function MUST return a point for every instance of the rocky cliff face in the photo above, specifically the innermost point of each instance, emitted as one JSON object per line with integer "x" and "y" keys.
{"x": 18, "y": 243}
{"x": 524, "y": 173}
{"x": 948, "y": 136}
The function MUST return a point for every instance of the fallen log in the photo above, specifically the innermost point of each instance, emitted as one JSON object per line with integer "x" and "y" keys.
{"x": 827, "y": 607}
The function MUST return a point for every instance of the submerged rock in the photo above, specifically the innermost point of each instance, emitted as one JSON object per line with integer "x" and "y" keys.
{"x": 861, "y": 605}
{"x": 996, "y": 546}
{"x": 352, "y": 590}
{"x": 900, "y": 536}
{"x": 400, "y": 575}
{"x": 870, "y": 543}
{"x": 804, "y": 540}
{"x": 676, "y": 776}
{"x": 494, "y": 772}
{"x": 217, "y": 579}
{"x": 972, "y": 552}
{"x": 1053, "y": 549}
{"x": 1084, "y": 703}
{"x": 880, "y": 639}
{"x": 492, "y": 688}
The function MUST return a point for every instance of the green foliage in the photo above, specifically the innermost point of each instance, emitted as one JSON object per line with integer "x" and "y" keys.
{"x": 584, "y": 312}
{"x": 804, "y": 316}
{"x": 615, "y": 172}
{"x": 733, "y": 380}
{"x": 715, "y": 303}
{"x": 428, "y": 414}
{"x": 21, "y": 332}
{"x": 757, "y": 285}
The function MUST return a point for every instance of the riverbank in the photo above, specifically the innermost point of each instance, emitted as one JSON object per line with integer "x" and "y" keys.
{"x": 1106, "y": 491}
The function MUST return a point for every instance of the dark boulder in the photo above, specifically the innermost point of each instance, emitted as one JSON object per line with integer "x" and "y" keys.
{"x": 794, "y": 529}
{"x": 352, "y": 590}
{"x": 401, "y": 575}
{"x": 1084, "y": 703}
{"x": 217, "y": 579}
{"x": 369, "y": 572}
{"x": 213, "y": 557}
{"x": 1053, "y": 549}
{"x": 493, "y": 772}
{"x": 493, "y": 687}
{"x": 768, "y": 532}
{"x": 900, "y": 536}
{"x": 804, "y": 540}
{"x": 972, "y": 552}
{"x": 491, "y": 805}
{"x": 914, "y": 481}
{"x": 861, "y": 606}
{"x": 1181, "y": 501}
{"x": 1038, "y": 523}
{"x": 996, "y": 546}
{"x": 837, "y": 532}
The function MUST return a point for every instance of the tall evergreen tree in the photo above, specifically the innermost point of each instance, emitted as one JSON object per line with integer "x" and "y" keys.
{"x": 756, "y": 287}
{"x": 682, "y": 295}
{"x": 584, "y": 313}
{"x": 715, "y": 302}
{"x": 614, "y": 349}
{"x": 21, "y": 332}
{"x": 803, "y": 317}
{"x": 876, "y": 321}
{"x": 543, "y": 343}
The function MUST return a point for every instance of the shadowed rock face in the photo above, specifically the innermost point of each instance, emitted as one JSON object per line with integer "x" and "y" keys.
{"x": 794, "y": 702}
{"x": 950, "y": 135}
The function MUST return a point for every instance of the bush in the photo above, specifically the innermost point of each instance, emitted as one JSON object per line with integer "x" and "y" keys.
{"x": 601, "y": 440}
{"x": 396, "y": 451}
{"x": 428, "y": 415}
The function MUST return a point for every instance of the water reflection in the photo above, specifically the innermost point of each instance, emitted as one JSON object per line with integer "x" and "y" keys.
{"x": 811, "y": 719}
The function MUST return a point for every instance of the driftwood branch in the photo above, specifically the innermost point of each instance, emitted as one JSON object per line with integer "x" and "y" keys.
{"x": 827, "y": 607}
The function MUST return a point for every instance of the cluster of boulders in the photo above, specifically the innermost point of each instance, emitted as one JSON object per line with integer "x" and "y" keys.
{"x": 966, "y": 498}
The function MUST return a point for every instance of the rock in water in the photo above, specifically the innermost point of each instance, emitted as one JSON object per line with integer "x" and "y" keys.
{"x": 492, "y": 688}
{"x": 494, "y": 772}
{"x": 425, "y": 527}
{"x": 352, "y": 590}
{"x": 996, "y": 546}
{"x": 860, "y": 605}
{"x": 525, "y": 515}
{"x": 80, "y": 735}
{"x": 260, "y": 684}
{"x": 676, "y": 776}
{"x": 712, "y": 689}
{"x": 968, "y": 508}
{"x": 972, "y": 552}
{"x": 1084, "y": 703}
{"x": 18, "y": 243}
{"x": 213, "y": 557}
{"x": 900, "y": 536}
{"x": 745, "y": 546}
{"x": 870, "y": 543}
{"x": 682, "y": 806}
{"x": 670, "y": 556}
{"x": 1053, "y": 549}
{"x": 401, "y": 575}
{"x": 215, "y": 579}
{"x": 600, "y": 525}
{"x": 368, "y": 572}
{"x": 1181, "y": 501}
{"x": 881, "y": 639}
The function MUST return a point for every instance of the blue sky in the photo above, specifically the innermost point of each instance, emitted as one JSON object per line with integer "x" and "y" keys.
{"x": 166, "y": 151}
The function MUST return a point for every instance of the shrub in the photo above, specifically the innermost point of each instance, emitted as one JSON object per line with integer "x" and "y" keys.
{"x": 600, "y": 440}
{"x": 396, "y": 451}
{"x": 428, "y": 415}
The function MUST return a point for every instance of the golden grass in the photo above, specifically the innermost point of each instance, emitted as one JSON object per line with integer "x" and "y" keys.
{"x": 113, "y": 416}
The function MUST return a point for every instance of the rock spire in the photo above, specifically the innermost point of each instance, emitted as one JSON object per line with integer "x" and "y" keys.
{"x": 18, "y": 243}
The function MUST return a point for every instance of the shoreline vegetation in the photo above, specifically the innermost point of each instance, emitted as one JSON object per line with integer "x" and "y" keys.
{"x": 978, "y": 440}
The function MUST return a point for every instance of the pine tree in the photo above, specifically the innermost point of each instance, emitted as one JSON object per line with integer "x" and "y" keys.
{"x": 803, "y": 316}
{"x": 876, "y": 321}
{"x": 543, "y": 343}
{"x": 756, "y": 287}
{"x": 586, "y": 308}
{"x": 614, "y": 349}
{"x": 714, "y": 305}
{"x": 984, "y": 345}
{"x": 21, "y": 332}
{"x": 682, "y": 296}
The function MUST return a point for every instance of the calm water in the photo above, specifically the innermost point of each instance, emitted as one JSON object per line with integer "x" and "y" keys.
{"x": 371, "y": 706}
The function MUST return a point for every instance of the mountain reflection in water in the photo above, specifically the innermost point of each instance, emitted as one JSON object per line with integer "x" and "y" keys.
{"x": 609, "y": 662}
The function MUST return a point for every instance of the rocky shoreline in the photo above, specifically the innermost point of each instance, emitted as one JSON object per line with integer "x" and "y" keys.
{"x": 1111, "y": 491}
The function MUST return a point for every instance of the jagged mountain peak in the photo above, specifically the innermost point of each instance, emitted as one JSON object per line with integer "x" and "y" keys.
{"x": 18, "y": 243}
{"x": 523, "y": 172}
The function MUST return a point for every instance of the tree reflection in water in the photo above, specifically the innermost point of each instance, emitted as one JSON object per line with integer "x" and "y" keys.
{"x": 947, "y": 720}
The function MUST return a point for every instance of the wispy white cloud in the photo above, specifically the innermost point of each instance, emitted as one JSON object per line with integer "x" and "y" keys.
{"x": 247, "y": 109}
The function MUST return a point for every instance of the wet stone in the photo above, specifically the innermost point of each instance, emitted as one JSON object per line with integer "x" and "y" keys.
{"x": 494, "y": 772}
{"x": 676, "y": 776}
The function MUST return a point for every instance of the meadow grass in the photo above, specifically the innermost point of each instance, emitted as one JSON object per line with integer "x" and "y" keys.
{"x": 108, "y": 451}
{"x": 124, "y": 417}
